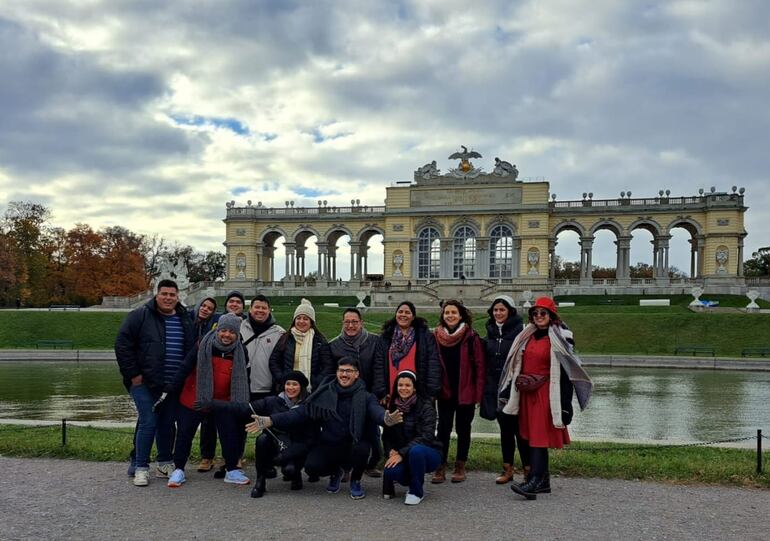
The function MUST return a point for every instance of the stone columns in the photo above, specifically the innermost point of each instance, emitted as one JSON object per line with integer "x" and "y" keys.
{"x": 700, "y": 241}
{"x": 300, "y": 250}
{"x": 623, "y": 267}
{"x": 446, "y": 270}
{"x": 290, "y": 248}
{"x": 552, "y": 258}
{"x": 516, "y": 258}
{"x": 586, "y": 265}
{"x": 323, "y": 261}
{"x": 482, "y": 257}
{"x": 355, "y": 263}
{"x": 660, "y": 267}
{"x": 740, "y": 257}
{"x": 258, "y": 275}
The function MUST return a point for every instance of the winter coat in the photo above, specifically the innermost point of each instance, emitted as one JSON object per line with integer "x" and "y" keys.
{"x": 258, "y": 351}
{"x": 370, "y": 356}
{"x": 282, "y": 360}
{"x": 140, "y": 346}
{"x": 418, "y": 428}
{"x": 200, "y": 328}
{"x": 303, "y": 432}
{"x": 472, "y": 372}
{"x": 496, "y": 347}
{"x": 429, "y": 372}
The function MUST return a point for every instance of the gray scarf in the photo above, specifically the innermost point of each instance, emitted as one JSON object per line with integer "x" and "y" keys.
{"x": 354, "y": 343}
{"x": 239, "y": 381}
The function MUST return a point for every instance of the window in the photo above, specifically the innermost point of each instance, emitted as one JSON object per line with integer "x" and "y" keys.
{"x": 464, "y": 253}
{"x": 428, "y": 254}
{"x": 501, "y": 252}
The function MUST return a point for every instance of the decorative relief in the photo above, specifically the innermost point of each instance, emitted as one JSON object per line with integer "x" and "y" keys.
{"x": 240, "y": 232}
{"x": 398, "y": 262}
{"x": 398, "y": 227}
{"x": 722, "y": 256}
{"x": 534, "y": 224}
{"x": 429, "y": 221}
{"x": 240, "y": 264}
{"x": 533, "y": 258}
{"x": 723, "y": 221}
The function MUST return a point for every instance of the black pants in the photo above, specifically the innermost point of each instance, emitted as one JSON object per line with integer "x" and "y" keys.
{"x": 228, "y": 427}
{"x": 208, "y": 439}
{"x": 327, "y": 459}
{"x": 538, "y": 460}
{"x": 449, "y": 413}
{"x": 376, "y": 452}
{"x": 510, "y": 439}
{"x": 267, "y": 454}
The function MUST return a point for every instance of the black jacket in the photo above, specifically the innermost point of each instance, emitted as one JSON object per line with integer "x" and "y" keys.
{"x": 418, "y": 428}
{"x": 140, "y": 347}
{"x": 496, "y": 347}
{"x": 282, "y": 360}
{"x": 370, "y": 356}
{"x": 429, "y": 371}
{"x": 302, "y": 432}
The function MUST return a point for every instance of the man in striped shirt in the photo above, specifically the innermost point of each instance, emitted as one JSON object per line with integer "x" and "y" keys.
{"x": 150, "y": 347}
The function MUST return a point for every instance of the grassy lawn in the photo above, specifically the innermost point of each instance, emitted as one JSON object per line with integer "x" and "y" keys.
{"x": 623, "y": 328}
{"x": 736, "y": 467}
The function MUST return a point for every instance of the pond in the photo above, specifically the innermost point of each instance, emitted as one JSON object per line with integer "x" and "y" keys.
{"x": 633, "y": 404}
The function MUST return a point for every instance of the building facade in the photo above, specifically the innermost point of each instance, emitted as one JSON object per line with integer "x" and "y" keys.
{"x": 486, "y": 228}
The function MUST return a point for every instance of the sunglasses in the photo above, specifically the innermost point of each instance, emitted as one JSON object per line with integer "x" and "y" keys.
{"x": 539, "y": 313}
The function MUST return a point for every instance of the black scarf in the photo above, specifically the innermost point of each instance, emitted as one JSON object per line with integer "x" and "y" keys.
{"x": 258, "y": 327}
{"x": 322, "y": 404}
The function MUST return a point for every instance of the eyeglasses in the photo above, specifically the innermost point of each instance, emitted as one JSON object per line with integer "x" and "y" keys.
{"x": 539, "y": 313}
{"x": 346, "y": 370}
{"x": 351, "y": 322}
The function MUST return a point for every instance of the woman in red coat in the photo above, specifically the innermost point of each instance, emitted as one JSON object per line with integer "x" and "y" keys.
{"x": 541, "y": 373}
{"x": 462, "y": 359}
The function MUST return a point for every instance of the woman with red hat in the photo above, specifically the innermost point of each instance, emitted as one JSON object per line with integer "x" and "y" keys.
{"x": 540, "y": 375}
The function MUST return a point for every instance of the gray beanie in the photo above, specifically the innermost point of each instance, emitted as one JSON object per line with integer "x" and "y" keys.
{"x": 305, "y": 309}
{"x": 230, "y": 322}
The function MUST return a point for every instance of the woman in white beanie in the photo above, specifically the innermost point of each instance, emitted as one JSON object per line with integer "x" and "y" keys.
{"x": 303, "y": 348}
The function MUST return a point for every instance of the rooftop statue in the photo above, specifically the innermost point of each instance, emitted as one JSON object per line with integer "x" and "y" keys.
{"x": 466, "y": 168}
{"x": 505, "y": 169}
{"x": 429, "y": 170}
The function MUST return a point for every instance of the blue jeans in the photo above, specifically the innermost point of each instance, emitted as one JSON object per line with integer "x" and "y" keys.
{"x": 411, "y": 471}
{"x": 152, "y": 425}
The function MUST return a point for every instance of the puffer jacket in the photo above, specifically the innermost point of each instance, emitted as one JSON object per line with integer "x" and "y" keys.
{"x": 429, "y": 372}
{"x": 496, "y": 347}
{"x": 418, "y": 428}
{"x": 140, "y": 346}
{"x": 282, "y": 360}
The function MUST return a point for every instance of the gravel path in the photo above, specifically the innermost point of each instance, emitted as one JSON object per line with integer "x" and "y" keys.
{"x": 67, "y": 499}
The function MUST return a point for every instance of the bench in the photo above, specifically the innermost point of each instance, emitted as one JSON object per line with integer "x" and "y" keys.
{"x": 694, "y": 350}
{"x": 761, "y": 351}
{"x": 55, "y": 344}
{"x": 612, "y": 301}
{"x": 654, "y": 302}
{"x": 64, "y": 307}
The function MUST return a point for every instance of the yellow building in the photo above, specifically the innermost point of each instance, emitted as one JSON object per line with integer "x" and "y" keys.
{"x": 488, "y": 229}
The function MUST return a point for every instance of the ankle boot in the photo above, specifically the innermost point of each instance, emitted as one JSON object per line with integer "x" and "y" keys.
{"x": 440, "y": 475}
{"x": 458, "y": 476}
{"x": 534, "y": 486}
{"x": 296, "y": 481}
{"x": 259, "y": 486}
{"x": 506, "y": 476}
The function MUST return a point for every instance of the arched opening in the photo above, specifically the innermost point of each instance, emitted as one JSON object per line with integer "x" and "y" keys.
{"x": 306, "y": 248}
{"x": 271, "y": 262}
{"x": 641, "y": 258}
{"x": 686, "y": 249}
{"x": 338, "y": 249}
{"x": 428, "y": 254}
{"x": 566, "y": 259}
{"x": 370, "y": 254}
{"x": 604, "y": 257}
{"x": 464, "y": 253}
{"x": 501, "y": 252}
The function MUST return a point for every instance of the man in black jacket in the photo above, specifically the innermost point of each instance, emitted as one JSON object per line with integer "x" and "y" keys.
{"x": 355, "y": 342}
{"x": 344, "y": 410}
{"x": 151, "y": 345}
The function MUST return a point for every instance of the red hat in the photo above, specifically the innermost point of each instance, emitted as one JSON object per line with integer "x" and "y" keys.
{"x": 548, "y": 304}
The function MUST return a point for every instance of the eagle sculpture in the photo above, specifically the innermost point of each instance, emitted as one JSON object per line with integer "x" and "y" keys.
{"x": 464, "y": 155}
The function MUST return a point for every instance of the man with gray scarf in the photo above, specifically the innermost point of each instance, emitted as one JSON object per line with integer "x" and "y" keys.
{"x": 215, "y": 371}
{"x": 355, "y": 342}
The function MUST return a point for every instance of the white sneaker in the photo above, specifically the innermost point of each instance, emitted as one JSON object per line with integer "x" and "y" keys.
{"x": 165, "y": 470}
{"x": 141, "y": 477}
{"x": 411, "y": 499}
{"x": 176, "y": 479}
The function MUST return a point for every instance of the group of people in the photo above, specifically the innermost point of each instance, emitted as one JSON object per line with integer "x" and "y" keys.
{"x": 340, "y": 408}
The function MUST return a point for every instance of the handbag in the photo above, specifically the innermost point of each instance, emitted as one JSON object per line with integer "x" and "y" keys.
{"x": 528, "y": 383}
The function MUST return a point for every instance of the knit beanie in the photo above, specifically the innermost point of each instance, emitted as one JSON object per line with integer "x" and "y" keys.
{"x": 230, "y": 322}
{"x": 212, "y": 300}
{"x": 506, "y": 301}
{"x": 305, "y": 309}
{"x": 299, "y": 377}
{"x": 237, "y": 294}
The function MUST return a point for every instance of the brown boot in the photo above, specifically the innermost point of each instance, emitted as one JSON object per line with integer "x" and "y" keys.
{"x": 439, "y": 475}
{"x": 206, "y": 464}
{"x": 506, "y": 476}
{"x": 458, "y": 476}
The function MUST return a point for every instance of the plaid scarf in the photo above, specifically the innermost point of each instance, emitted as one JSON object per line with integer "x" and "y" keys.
{"x": 400, "y": 345}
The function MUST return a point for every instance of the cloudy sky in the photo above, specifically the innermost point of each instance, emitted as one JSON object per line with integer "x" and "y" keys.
{"x": 152, "y": 114}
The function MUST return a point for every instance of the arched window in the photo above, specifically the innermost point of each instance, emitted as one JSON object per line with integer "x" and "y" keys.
{"x": 501, "y": 252}
{"x": 464, "y": 253}
{"x": 428, "y": 254}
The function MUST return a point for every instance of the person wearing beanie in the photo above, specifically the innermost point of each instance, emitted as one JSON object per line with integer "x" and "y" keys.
{"x": 235, "y": 303}
{"x": 462, "y": 361}
{"x": 215, "y": 371}
{"x": 302, "y": 348}
{"x": 541, "y": 374}
{"x": 503, "y": 325}
{"x": 204, "y": 316}
{"x": 286, "y": 448}
{"x": 408, "y": 345}
{"x": 411, "y": 448}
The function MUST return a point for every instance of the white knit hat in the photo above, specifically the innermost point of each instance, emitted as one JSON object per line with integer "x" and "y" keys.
{"x": 505, "y": 298}
{"x": 306, "y": 309}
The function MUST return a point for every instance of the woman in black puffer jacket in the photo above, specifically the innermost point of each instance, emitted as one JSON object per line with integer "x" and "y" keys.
{"x": 503, "y": 326}
{"x": 411, "y": 447}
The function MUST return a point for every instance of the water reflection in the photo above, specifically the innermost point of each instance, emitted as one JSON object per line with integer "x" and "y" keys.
{"x": 628, "y": 403}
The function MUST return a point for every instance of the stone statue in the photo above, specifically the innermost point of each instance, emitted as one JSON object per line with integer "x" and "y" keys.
{"x": 528, "y": 296}
{"x": 753, "y": 295}
{"x": 722, "y": 255}
{"x": 505, "y": 169}
{"x": 240, "y": 264}
{"x": 696, "y": 292}
{"x": 466, "y": 168}
{"x": 427, "y": 171}
{"x": 533, "y": 258}
{"x": 398, "y": 262}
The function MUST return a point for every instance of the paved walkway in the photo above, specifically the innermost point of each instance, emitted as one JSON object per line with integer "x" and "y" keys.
{"x": 67, "y": 499}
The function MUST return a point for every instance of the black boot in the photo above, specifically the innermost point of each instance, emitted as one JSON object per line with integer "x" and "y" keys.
{"x": 533, "y": 486}
{"x": 259, "y": 486}
{"x": 296, "y": 480}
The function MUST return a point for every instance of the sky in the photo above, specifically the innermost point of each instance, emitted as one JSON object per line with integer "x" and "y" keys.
{"x": 151, "y": 115}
